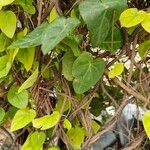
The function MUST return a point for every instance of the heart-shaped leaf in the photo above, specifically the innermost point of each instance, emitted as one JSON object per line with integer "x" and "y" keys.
{"x": 47, "y": 121}
{"x": 132, "y": 17}
{"x": 100, "y": 16}
{"x": 22, "y": 118}
{"x": 86, "y": 72}
{"x": 19, "y": 100}
{"x": 8, "y": 23}
{"x": 34, "y": 141}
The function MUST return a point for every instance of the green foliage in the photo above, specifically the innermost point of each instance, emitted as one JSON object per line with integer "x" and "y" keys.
{"x": 29, "y": 82}
{"x": 146, "y": 122}
{"x": 76, "y": 137}
{"x": 5, "y": 2}
{"x": 116, "y": 71}
{"x": 47, "y": 121}
{"x": 86, "y": 72}
{"x": 34, "y": 141}
{"x": 19, "y": 100}
{"x": 22, "y": 118}
{"x": 100, "y": 18}
{"x": 8, "y": 23}
{"x": 61, "y": 63}
{"x": 2, "y": 114}
{"x": 67, "y": 124}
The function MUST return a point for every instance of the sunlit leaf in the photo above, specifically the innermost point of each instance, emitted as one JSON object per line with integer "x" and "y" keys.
{"x": 5, "y": 2}
{"x": 8, "y": 23}
{"x": 76, "y": 137}
{"x": 67, "y": 124}
{"x": 19, "y": 100}
{"x": 34, "y": 141}
{"x": 2, "y": 113}
{"x": 116, "y": 71}
{"x": 146, "y": 122}
{"x": 146, "y": 23}
{"x": 29, "y": 82}
{"x": 132, "y": 17}
{"x": 47, "y": 121}
{"x": 22, "y": 118}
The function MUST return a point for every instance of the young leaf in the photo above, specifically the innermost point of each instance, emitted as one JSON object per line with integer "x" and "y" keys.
{"x": 47, "y": 121}
{"x": 57, "y": 31}
{"x": 2, "y": 113}
{"x": 4, "y": 66}
{"x": 146, "y": 23}
{"x": 116, "y": 71}
{"x": 95, "y": 126}
{"x": 34, "y": 141}
{"x": 144, "y": 48}
{"x": 67, "y": 62}
{"x": 29, "y": 82}
{"x": 19, "y": 100}
{"x": 26, "y": 57}
{"x": 5, "y": 2}
{"x": 146, "y": 122}
{"x": 22, "y": 118}
{"x": 86, "y": 72}
{"x": 8, "y": 23}
{"x": 76, "y": 137}
{"x": 32, "y": 39}
{"x": 132, "y": 17}
{"x": 53, "y": 15}
{"x": 67, "y": 124}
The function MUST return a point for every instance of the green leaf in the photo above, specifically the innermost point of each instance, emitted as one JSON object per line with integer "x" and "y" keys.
{"x": 19, "y": 100}
{"x": 2, "y": 114}
{"x": 8, "y": 23}
{"x": 26, "y": 57}
{"x": 5, "y": 66}
{"x": 67, "y": 63}
{"x": 57, "y": 31}
{"x": 76, "y": 137}
{"x": 26, "y": 5}
{"x": 116, "y": 71}
{"x": 67, "y": 124}
{"x": 144, "y": 48}
{"x": 3, "y": 42}
{"x": 34, "y": 141}
{"x": 32, "y": 39}
{"x": 47, "y": 121}
{"x": 54, "y": 148}
{"x": 22, "y": 118}
{"x": 5, "y": 2}
{"x": 146, "y": 23}
{"x": 113, "y": 41}
{"x": 146, "y": 122}
{"x": 53, "y": 15}
{"x": 100, "y": 16}
{"x": 60, "y": 102}
{"x": 132, "y": 17}
{"x": 95, "y": 126}
{"x": 86, "y": 72}
{"x": 29, "y": 82}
